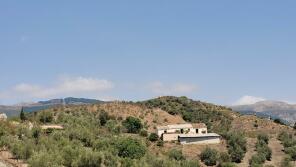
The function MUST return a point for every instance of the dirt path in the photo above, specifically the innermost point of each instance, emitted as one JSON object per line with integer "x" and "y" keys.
{"x": 277, "y": 153}
{"x": 250, "y": 152}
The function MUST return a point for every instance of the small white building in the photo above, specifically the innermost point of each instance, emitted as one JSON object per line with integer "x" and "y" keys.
{"x": 3, "y": 117}
{"x": 188, "y": 134}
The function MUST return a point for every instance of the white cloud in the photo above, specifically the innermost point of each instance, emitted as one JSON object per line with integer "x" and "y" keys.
{"x": 63, "y": 87}
{"x": 173, "y": 89}
{"x": 246, "y": 100}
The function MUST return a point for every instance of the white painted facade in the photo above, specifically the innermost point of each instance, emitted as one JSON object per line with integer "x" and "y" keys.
{"x": 188, "y": 134}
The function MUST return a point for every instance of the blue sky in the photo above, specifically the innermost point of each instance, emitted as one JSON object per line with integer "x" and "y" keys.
{"x": 223, "y": 52}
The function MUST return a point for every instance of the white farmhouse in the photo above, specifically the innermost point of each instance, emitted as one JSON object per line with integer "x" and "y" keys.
{"x": 188, "y": 134}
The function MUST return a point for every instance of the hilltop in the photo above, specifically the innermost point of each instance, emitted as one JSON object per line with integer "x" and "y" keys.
{"x": 98, "y": 133}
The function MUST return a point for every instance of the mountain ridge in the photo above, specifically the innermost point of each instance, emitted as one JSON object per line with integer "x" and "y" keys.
{"x": 14, "y": 110}
{"x": 278, "y": 109}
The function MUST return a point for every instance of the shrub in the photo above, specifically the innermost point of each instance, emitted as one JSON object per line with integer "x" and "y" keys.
{"x": 113, "y": 127}
{"x": 257, "y": 159}
{"x": 265, "y": 151}
{"x": 236, "y": 146}
{"x": 21, "y": 150}
{"x": 263, "y": 137}
{"x": 176, "y": 155}
{"x": 292, "y": 152}
{"x": 236, "y": 153}
{"x": 262, "y": 148}
{"x": 45, "y": 159}
{"x": 132, "y": 124}
{"x": 143, "y": 133}
{"x": 131, "y": 148}
{"x": 69, "y": 155}
{"x": 36, "y": 132}
{"x": 45, "y": 117}
{"x": 224, "y": 157}
{"x": 153, "y": 137}
{"x": 103, "y": 117}
{"x": 209, "y": 156}
{"x": 159, "y": 143}
{"x": 89, "y": 158}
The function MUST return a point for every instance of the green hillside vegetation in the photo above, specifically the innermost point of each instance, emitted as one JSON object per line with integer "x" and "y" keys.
{"x": 118, "y": 134}
{"x": 289, "y": 142}
{"x": 217, "y": 118}
{"x": 263, "y": 151}
{"x": 89, "y": 139}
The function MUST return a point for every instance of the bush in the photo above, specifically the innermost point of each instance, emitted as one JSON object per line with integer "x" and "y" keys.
{"x": 209, "y": 156}
{"x": 236, "y": 153}
{"x": 103, "y": 117}
{"x": 36, "y": 132}
{"x": 262, "y": 147}
{"x": 257, "y": 159}
{"x": 291, "y": 151}
{"x": 224, "y": 157}
{"x": 132, "y": 124}
{"x": 153, "y": 137}
{"x": 113, "y": 127}
{"x": 131, "y": 148}
{"x": 45, "y": 117}
{"x": 143, "y": 133}
{"x": 265, "y": 151}
{"x": 89, "y": 158}
{"x": 236, "y": 146}
{"x": 263, "y": 137}
{"x": 70, "y": 155}
{"x": 22, "y": 150}
{"x": 176, "y": 155}
{"x": 159, "y": 143}
{"x": 45, "y": 159}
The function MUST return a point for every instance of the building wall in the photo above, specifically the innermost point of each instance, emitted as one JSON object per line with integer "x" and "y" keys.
{"x": 170, "y": 137}
{"x": 160, "y": 132}
{"x": 200, "y": 140}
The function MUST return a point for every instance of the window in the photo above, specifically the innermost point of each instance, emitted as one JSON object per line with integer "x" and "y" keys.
{"x": 196, "y": 130}
{"x": 182, "y": 131}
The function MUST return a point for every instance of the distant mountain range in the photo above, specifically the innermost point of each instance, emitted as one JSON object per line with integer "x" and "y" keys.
{"x": 41, "y": 105}
{"x": 274, "y": 109}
